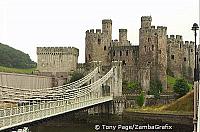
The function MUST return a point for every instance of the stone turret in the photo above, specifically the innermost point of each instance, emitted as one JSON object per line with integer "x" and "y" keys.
{"x": 146, "y": 21}
{"x": 107, "y": 28}
{"x": 123, "y": 37}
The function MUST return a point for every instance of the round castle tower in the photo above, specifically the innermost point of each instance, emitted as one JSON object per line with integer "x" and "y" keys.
{"x": 153, "y": 49}
{"x": 97, "y": 44}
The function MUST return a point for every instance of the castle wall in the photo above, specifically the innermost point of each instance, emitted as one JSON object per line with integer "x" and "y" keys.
{"x": 129, "y": 57}
{"x": 57, "y": 60}
{"x": 25, "y": 81}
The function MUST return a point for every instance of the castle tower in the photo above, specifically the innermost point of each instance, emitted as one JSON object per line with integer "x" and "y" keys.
{"x": 153, "y": 49}
{"x": 107, "y": 28}
{"x": 123, "y": 37}
{"x": 146, "y": 21}
{"x": 175, "y": 55}
{"x": 58, "y": 61}
{"x": 97, "y": 44}
{"x": 180, "y": 59}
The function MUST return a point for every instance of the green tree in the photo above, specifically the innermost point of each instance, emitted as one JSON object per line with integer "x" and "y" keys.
{"x": 134, "y": 86}
{"x": 155, "y": 88}
{"x": 181, "y": 87}
{"x": 76, "y": 76}
{"x": 10, "y": 57}
{"x": 140, "y": 99}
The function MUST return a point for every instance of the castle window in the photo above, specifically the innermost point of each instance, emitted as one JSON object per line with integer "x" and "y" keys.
{"x": 127, "y": 53}
{"x": 89, "y": 56}
{"x": 191, "y": 50}
{"x": 152, "y": 47}
{"x": 172, "y": 57}
{"x": 104, "y": 47}
{"x": 99, "y": 41}
{"x": 145, "y": 48}
{"x": 159, "y": 51}
{"x": 184, "y": 58}
{"x": 120, "y": 53}
{"x": 123, "y": 62}
{"x": 113, "y": 53}
{"x": 180, "y": 46}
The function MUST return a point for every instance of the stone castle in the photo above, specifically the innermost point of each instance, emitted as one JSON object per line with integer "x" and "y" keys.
{"x": 154, "y": 57}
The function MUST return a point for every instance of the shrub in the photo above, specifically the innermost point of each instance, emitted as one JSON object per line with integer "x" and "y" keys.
{"x": 155, "y": 88}
{"x": 140, "y": 100}
{"x": 76, "y": 76}
{"x": 181, "y": 87}
{"x": 133, "y": 86}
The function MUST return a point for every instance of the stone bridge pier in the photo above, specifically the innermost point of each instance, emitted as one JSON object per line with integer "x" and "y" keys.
{"x": 112, "y": 87}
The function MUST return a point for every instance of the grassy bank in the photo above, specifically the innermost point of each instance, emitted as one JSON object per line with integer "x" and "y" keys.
{"x": 14, "y": 70}
{"x": 182, "y": 106}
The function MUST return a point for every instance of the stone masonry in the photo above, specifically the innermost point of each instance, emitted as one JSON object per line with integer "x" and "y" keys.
{"x": 155, "y": 55}
{"x": 57, "y": 61}
{"x": 180, "y": 56}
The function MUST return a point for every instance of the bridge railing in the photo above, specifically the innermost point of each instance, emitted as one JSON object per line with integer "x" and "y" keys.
{"x": 11, "y": 117}
{"x": 77, "y": 98}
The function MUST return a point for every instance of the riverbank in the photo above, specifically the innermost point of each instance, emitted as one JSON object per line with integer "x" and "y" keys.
{"x": 164, "y": 117}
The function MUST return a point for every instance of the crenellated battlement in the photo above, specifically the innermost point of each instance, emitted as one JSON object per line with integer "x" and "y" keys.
{"x": 189, "y": 44}
{"x": 93, "y": 31}
{"x": 57, "y": 50}
{"x": 106, "y": 21}
{"x": 122, "y": 30}
{"x": 161, "y": 28}
{"x": 153, "y": 27}
{"x": 175, "y": 37}
{"x": 146, "y": 18}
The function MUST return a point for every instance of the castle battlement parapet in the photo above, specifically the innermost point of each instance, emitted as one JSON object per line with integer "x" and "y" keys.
{"x": 189, "y": 44}
{"x": 171, "y": 37}
{"x": 179, "y": 37}
{"x": 175, "y": 38}
{"x": 122, "y": 30}
{"x": 153, "y": 27}
{"x": 93, "y": 31}
{"x": 146, "y": 18}
{"x": 106, "y": 21}
{"x": 163, "y": 29}
{"x": 58, "y": 50}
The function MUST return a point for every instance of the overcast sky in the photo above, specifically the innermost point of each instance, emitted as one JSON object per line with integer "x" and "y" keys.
{"x": 27, "y": 24}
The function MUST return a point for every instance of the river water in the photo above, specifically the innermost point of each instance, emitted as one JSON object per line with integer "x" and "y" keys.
{"x": 81, "y": 123}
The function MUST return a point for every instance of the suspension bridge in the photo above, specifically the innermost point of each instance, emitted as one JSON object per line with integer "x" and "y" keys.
{"x": 20, "y": 106}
